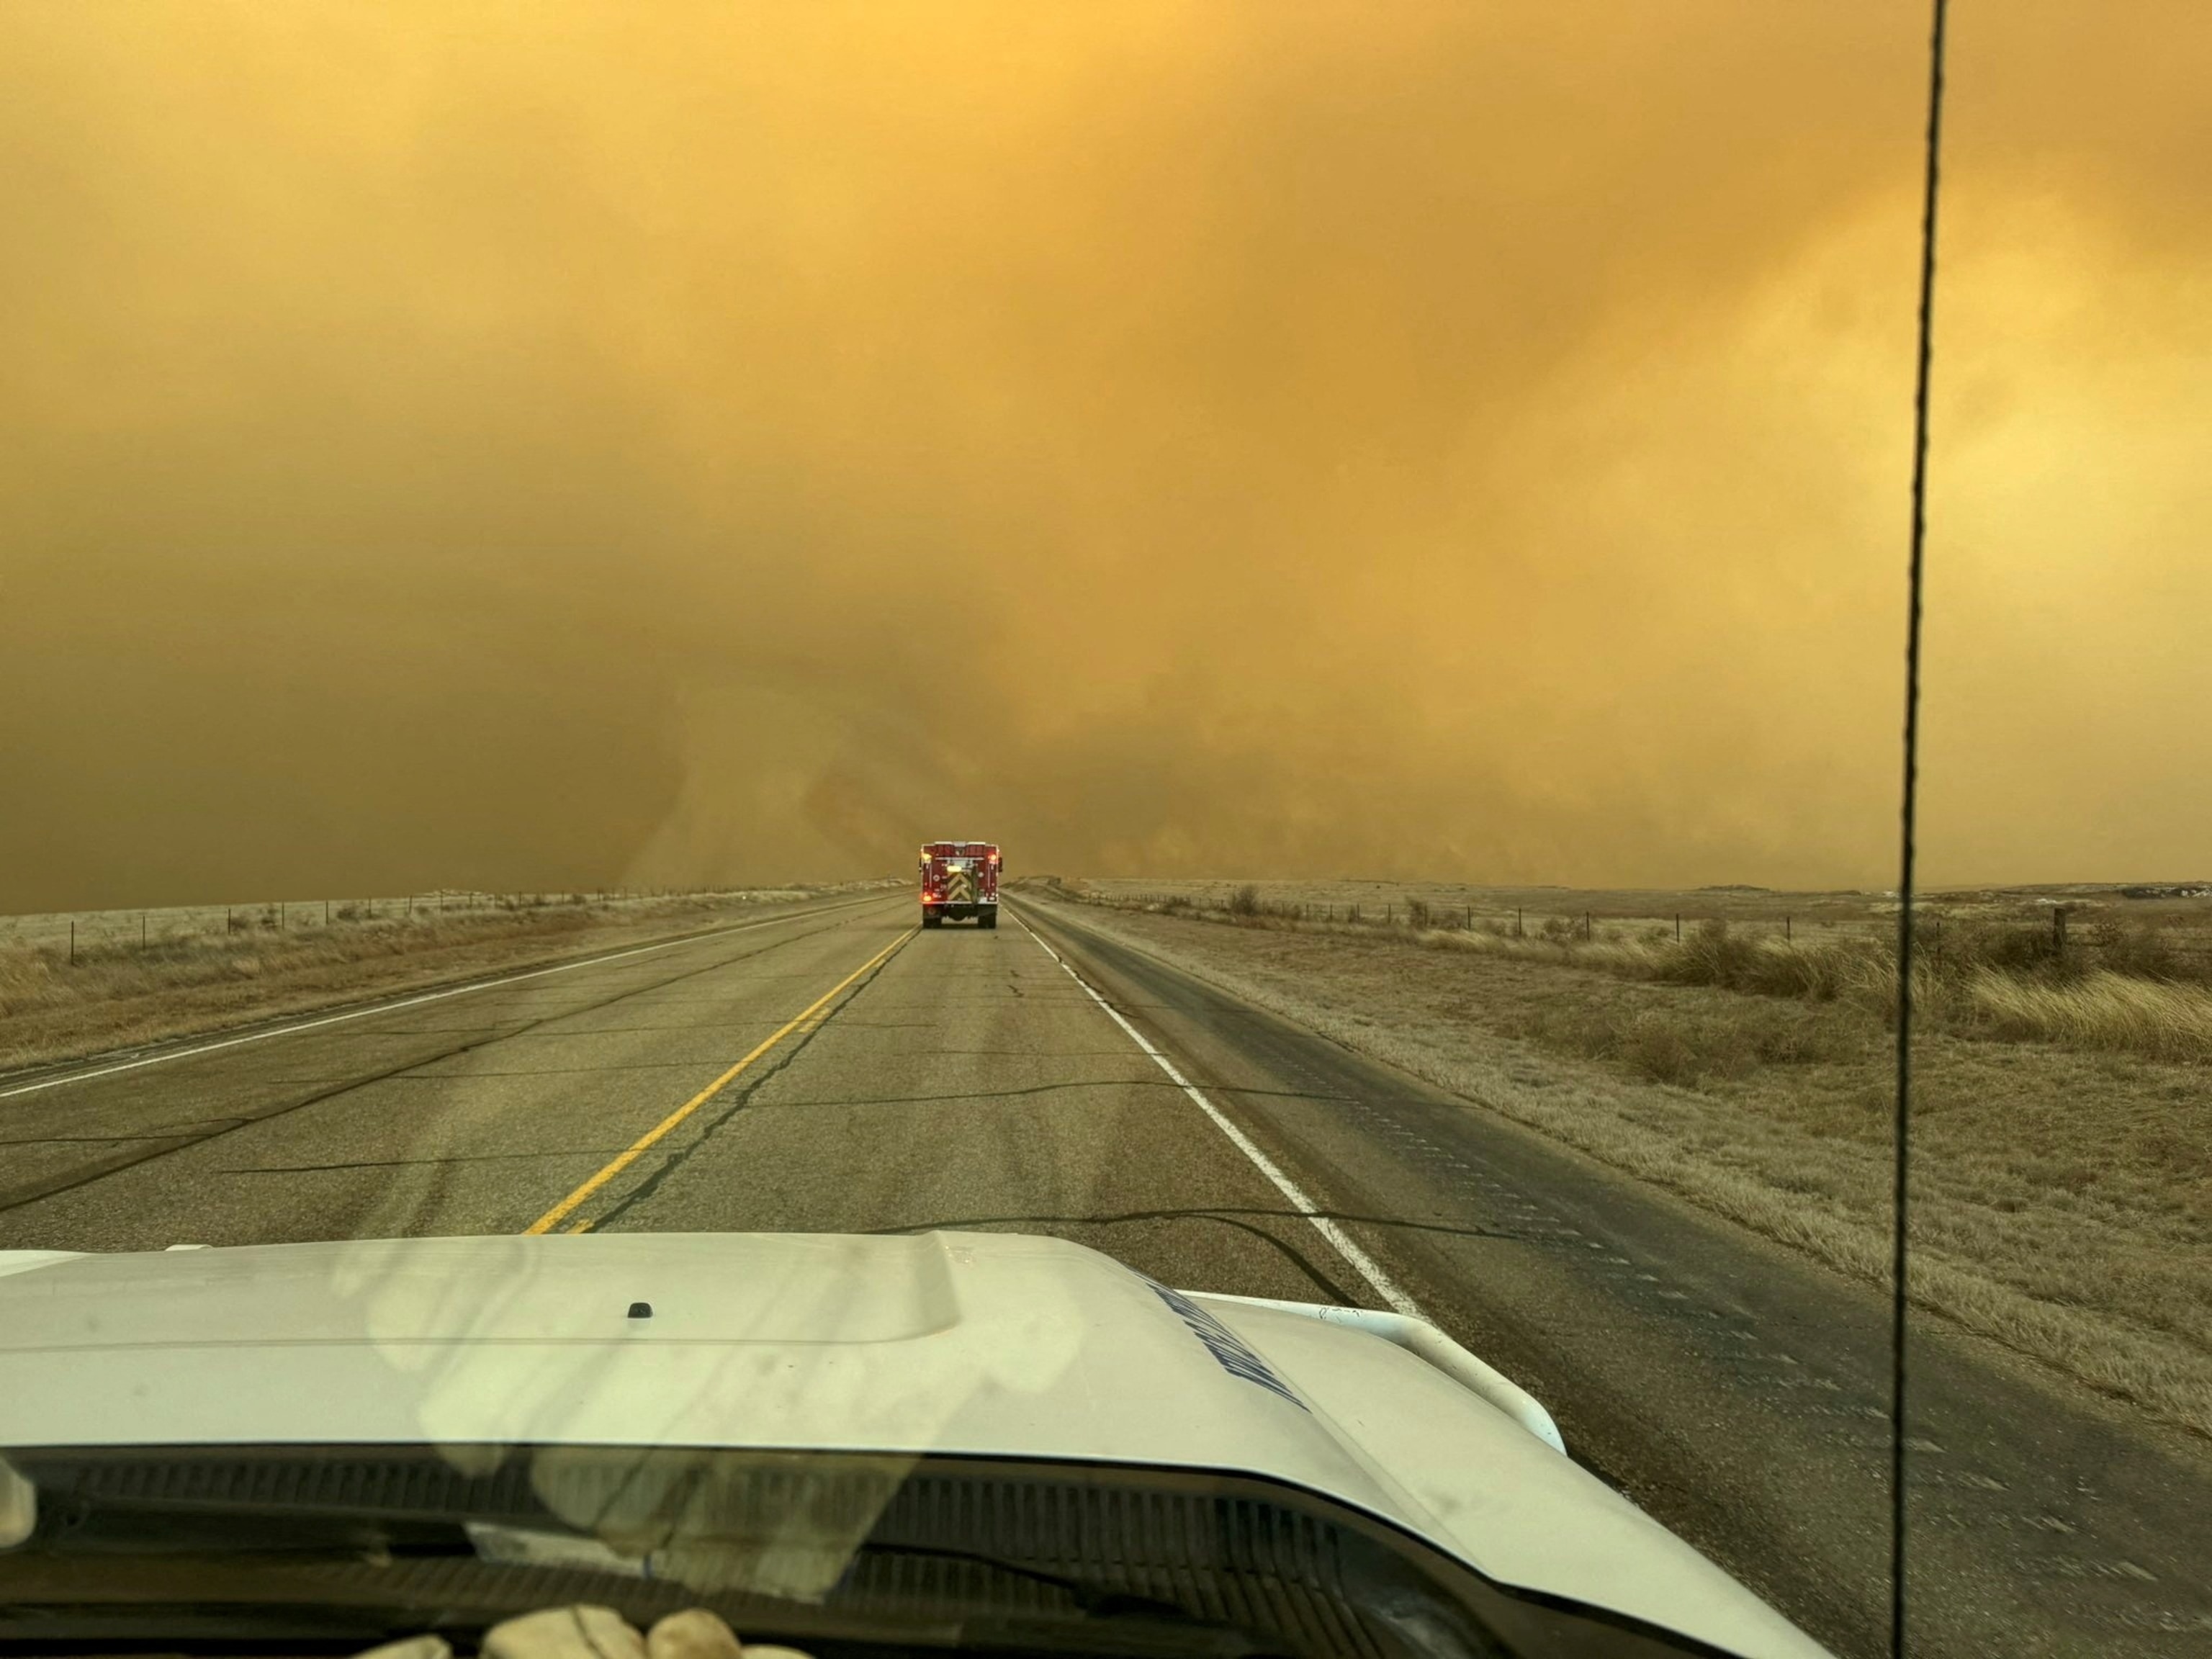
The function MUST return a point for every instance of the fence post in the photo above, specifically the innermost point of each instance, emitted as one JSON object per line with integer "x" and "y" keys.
{"x": 2058, "y": 929}
{"x": 1678, "y": 926}
{"x": 72, "y": 941}
{"x": 1785, "y": 930}
{"x": 142, "y": 930}
{"x": 1586, "y": 926}
{"x": 1470, "y": 918}
{"x": 326, "y": 912}
{"x": 281, "y": 913}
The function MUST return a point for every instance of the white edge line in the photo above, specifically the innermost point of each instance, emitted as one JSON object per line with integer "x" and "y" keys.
{"x": 1362, "y": 1263}
{"x": 412, "y": 1002}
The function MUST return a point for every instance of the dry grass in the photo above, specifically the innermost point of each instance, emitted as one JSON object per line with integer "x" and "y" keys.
{"x": 119, "y": 994}
{"x": 2102, "y": 1010}
{"x": 2076, "y": 1006}
{"x": 2062, "y": 1189}
{"x": 1692, "y": 1045}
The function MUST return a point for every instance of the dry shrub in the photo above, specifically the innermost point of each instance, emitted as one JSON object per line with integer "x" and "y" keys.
{"x": 1992, "y": 943}
{"x": 1822, "y": 971}
{"x": 1814, "y": 970}
{"x": 1688, "y": 1046}
{"x": 1712, "y": 955}
{"x": 1245, "y": 901}
{"x": 1667, "y": 1051}
{"x": 2100, "y": 1010}
{"x": 2146, "y": 952}
{"x": 24, "y": 975}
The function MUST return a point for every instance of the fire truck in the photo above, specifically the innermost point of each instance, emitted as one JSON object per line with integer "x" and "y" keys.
{"x": 960, "y": 879}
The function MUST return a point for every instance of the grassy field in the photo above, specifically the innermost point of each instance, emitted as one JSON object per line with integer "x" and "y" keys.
{"x": 134, "y": 976}
{"x": 2085, "y": 966}
{"x": 2062, "y": 1116}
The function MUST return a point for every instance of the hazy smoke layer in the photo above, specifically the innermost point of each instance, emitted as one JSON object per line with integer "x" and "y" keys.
{"x": 545, "y": 445}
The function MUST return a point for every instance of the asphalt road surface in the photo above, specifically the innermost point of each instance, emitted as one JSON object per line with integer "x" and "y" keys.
{"x": 836, "y": 1069}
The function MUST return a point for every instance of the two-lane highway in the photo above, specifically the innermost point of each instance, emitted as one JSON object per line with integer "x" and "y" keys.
{"x": 835, "y": 1068}
{"x": 831, "y": 1070}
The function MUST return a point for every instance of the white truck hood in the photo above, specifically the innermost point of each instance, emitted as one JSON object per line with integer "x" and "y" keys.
{"x": 985, "y": 1344}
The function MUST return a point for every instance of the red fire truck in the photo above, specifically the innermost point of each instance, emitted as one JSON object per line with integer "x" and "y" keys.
{"x": 960, "y": 879}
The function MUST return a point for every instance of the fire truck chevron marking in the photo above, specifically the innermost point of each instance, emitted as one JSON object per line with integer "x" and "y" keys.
{"x": 959, "y": 882}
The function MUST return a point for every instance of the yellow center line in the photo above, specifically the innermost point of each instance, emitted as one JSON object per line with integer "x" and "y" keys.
{"x": 636, "y": 1149}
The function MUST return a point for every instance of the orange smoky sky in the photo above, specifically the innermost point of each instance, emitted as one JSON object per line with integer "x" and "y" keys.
{"x": 547, "y": 444}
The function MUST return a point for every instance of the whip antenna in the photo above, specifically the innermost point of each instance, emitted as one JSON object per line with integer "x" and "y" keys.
{"x": 1902, "y": 1123}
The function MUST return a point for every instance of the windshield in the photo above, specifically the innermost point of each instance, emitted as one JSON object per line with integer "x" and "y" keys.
{"x": 362, "y": 1543}
{"x": 1160, "y": 739}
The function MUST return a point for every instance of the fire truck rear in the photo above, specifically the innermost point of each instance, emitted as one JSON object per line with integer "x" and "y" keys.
{"x": 960, "y": 879}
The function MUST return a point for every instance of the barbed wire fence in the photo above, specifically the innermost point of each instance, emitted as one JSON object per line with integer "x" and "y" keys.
{"x": 2085, "y": 929}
